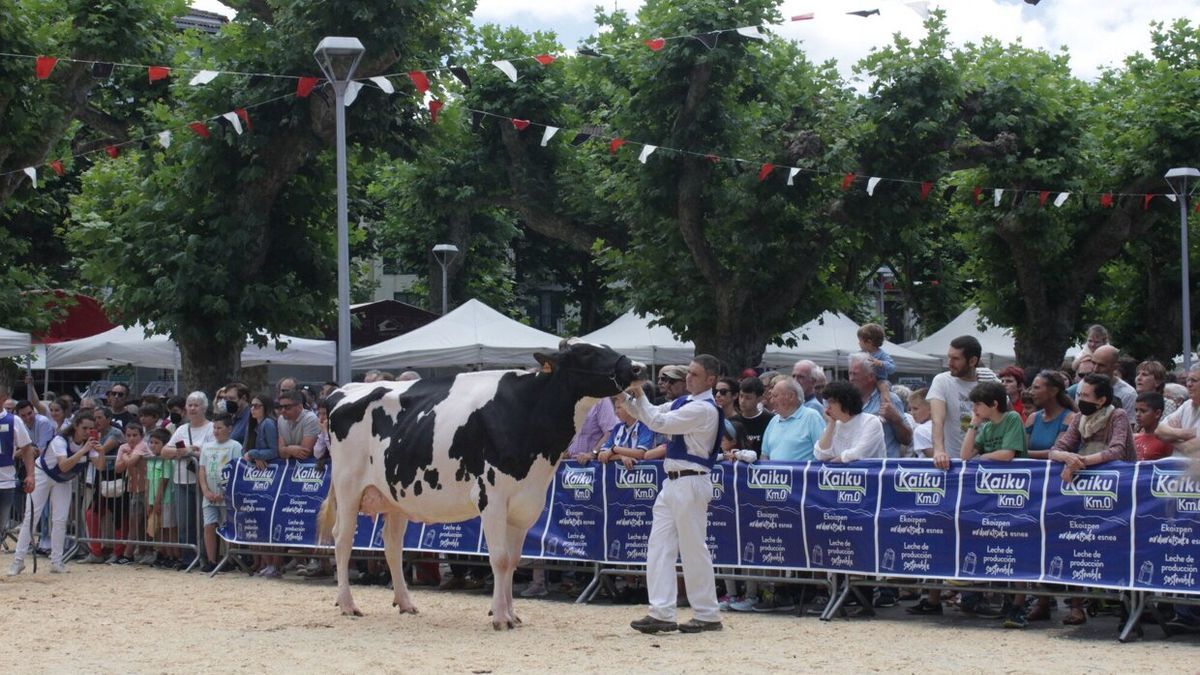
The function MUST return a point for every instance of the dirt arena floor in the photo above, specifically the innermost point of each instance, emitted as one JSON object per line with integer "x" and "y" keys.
{"x": 101, "y": 618}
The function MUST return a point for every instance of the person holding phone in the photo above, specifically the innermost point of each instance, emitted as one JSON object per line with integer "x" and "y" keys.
{"x": 54, "y": 471}
{"x": 193, "y": 433}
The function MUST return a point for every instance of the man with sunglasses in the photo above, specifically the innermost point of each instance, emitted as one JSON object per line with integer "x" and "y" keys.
{"x": 118, "y": 398}
{"x": 671, "y": 383}
{"x": 298, "y": 428}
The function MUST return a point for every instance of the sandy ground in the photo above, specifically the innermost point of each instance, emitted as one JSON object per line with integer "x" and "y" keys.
{"x": 133, "y": 619}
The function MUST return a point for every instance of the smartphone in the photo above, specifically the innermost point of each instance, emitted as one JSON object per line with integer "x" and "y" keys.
{"x": 180, "y": 444}
{"x": 94, "y": 435}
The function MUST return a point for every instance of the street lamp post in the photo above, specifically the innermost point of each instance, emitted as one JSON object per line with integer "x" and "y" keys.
{"x": 444, "y": 254}
{"x": 338, "y": 57}
{"x": 1178, "y": 178}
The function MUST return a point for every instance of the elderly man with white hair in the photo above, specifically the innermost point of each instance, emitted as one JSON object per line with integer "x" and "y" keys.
{"x": 804, "y": 373}
{"x": 794, "y": 431}
{"x": 1181, "y": 427}
{"x": 896, "y": 432}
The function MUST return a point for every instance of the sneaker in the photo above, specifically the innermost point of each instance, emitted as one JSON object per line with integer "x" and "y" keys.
{"x": 16, "y": 568}
{"x": 124, "y": 560}
{"x": 743, "y": 605}
{"x": 111, "y": 559}
{"x": 925, "y": 608}
{"x": 725, "y": 603}
{"x": 651, "y": 625}
{"x": 975, "y": 603}
{"x": 885, "y": 599}
{"x": 148, "y": 559}
{"x": 93, "y": 559}
{"x": 535, "y": 591}
{"x": 58, "y": 568}
{"x": 1015, "y": 618}
{"x": 784, "y": 603}
{"x": 767, "y": 604}
{"x": 698, "y": 626}
{"x": 268, "y": 572}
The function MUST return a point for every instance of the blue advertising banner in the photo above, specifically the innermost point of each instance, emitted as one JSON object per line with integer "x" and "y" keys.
{"x": 253, "y": 493}
{"x": 1166, "y": 537}
{"x": 917, "y": 536}
{"x": 575, "y": 528}
{"x": 722, "y": 537}
{"x": 629, "y": 495}
{"x": 999, "y": 520}
{"x": 770, "y": 515}
{"x": 839, "y": 510}
{"x": 1088, "y": 528}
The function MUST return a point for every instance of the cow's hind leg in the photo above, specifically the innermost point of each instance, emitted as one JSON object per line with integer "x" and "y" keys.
{"x": 343, "y": 537}
{"x": 495, "y": 528}
{"x": 394, "y": 525}
{"x": 516, "y": 542}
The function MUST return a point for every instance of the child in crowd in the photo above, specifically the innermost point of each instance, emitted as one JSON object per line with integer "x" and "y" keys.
{"x": 160, "y": 520}
{"x": 209, "y": 476}
{"x": 629, "y": 441}
{"x": 870, "y": 340}
{"x": 131, "y": 461}
{"x": 1148, "y": 411}
{"x": 922, "y": 435}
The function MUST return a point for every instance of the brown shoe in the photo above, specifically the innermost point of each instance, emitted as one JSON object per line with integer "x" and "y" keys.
{"x": 651, "y": 625}
{"x": 1040, "y": 612}
{"x": 698, "y": 626}
{"x": 1075, "y": 617}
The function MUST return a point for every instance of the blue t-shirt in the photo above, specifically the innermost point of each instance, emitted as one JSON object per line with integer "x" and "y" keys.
{"x": 637, "y": 435}
{"x": 792, "y": 438}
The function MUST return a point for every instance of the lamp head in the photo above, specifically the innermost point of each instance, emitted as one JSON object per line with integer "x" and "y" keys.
{"x": 338, "y": 57}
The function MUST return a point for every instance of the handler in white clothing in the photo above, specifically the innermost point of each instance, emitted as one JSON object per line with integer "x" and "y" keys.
{"x": 681, "y": 510}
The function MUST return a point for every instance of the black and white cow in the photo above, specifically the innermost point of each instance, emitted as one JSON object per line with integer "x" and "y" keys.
{"x": 449, "y": 449}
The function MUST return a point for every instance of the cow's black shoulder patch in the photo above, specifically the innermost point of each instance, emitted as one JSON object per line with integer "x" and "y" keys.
{"x": 483, "y": 500}
{"x": 342, "y": 419}
{"x": 408, "y": 445}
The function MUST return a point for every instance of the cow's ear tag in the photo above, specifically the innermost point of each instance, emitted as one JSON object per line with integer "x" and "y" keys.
{"x": 547, "y": 367}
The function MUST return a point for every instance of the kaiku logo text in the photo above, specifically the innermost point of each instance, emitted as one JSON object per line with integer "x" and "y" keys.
{"x": 580, "y": 480}
{"x": 717, "y": 476}
{"x": 1010, "y": 486}
{"x": 259, "y": 479}
{"x": 643, "y": 480}
{"x": 1178, "y": 485}
{"x": 928, "y": 486}
{"x": 849, "y": 484}
{"x": 1097, "y": 489}
{"x": 309, "y": 477}
{"x": 776, "y": 484}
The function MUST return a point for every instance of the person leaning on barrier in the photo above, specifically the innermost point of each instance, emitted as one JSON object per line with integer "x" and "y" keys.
{"x": 793, "y": 432}
{"x": 1180, "y": 427}
{"x": 630, "y": 441}
{"x": 53, "y": 475}
{"x": 996, "y": 433}
{"x": 751, "y": 416}
{"x": 298, "y": 428}
{"x": 850, "y": 434}
{"x": 193, "y": 433}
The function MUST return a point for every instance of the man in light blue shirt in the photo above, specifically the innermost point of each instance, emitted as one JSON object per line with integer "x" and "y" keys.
{"x": 795, "y": 430}
{"x": 896, "y": 432}
{"x": 803, "y": 373}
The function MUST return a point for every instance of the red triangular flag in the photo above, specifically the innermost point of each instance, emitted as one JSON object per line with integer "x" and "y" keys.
{"x": 419, "y": 80}
{"x": 435, "y": 106}
{"x": 1197, "y": 209}
{"x": 45, "y": 64}
{"x": 200, "y": 128}
{"x": 926, "y": 188}
{"x": 712, "y": 158}
{"x": 1042, "y": 197}
{"x": 544, "y": 59}
{"x": 1106, "y": 200}
{"x": 520, "y": 124}
{"x": 803, "y": 17}
{"x": 765, "y": 171}
{"x": 847, "y": 181}
{"x": 615, "y": 145}
{"x": 57, "y": 165}
{"x": 656, "y": 44}
{"x": 304, "y": 86}
{"x": 1146, "y": 202}
{"x": 112, "y": 151}
{"x": 976, "y": 194}
{"x": 245, "y": 117}
{"x": 157, "y": 73}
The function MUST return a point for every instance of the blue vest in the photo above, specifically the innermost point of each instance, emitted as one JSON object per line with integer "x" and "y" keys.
{"x": 55, "y": 473}
{"x": 677, "y": 449}
{"x": 7, "y": 437}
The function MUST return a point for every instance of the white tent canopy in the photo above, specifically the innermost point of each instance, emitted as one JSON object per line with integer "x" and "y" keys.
{"x": 13, "y": 343}
{"x": 998, "y": 346}
{"x": 137, "y": 346}
{"x": 634, "y": 337}
{"x": 472, "y": 334}
{"x": 831, "y": 338}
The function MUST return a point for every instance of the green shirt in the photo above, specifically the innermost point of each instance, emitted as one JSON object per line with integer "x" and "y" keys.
{"x": 1007, "y": 434}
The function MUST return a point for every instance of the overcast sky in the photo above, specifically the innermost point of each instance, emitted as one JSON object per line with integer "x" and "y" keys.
{"x": 1096, "y": 32}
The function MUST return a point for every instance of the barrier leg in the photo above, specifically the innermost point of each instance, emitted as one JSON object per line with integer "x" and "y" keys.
{"x": 836, "y": 597}
{"x": 592, "y": 588}
{"x": 1136, "y": 605}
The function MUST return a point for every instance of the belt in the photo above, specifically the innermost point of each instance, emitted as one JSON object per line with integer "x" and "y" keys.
{"x": 672, "y": 475}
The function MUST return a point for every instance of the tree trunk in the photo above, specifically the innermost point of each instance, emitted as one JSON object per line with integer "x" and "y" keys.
{"x": 208, "y": 365}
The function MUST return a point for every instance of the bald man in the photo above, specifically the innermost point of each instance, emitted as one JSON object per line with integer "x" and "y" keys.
{"x": 1107, "y": 359}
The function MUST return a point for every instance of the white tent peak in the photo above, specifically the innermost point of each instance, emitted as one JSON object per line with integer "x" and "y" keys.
{"x": 999, "y": 349}
{"x": 634, "y": 336}
{"x": 831, "y": 338}
{"x": 13, "y": 343}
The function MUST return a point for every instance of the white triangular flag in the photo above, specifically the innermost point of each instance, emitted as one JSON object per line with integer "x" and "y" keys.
{"x": 921, "y": 8}
{"x": 996, "y": 194}
{"x": 548, "y": 134}
{"x": 164, "y": 138}
{"x": 204, "y": 77}
{"x": 384, "y": 84}
{"x": 233, "y": 119}
{"x": 871, "y": 183}
{"x": 647, "y": 150}
{"x": 751, "y": 32}
{"x": 507, "y": 68}
{"x": 792, "y": 174}
{"x": 352, "y": 89}
{"x": 32, "y": 173}
{"x": 1061, "y": 198}
{"x": 1171, "y": 197}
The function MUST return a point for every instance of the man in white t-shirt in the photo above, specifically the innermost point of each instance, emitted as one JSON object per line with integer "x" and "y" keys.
{"x": 1180, "y": 427}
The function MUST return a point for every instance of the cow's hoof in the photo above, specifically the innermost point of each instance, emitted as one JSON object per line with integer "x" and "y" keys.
{"x": 351, "y": 611}
{"x": 502, "y": 625}
{"x": 406, "y": 609}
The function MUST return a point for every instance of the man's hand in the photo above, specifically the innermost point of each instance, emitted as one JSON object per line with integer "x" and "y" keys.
{"x": 28, "y": 484}
{"x": 635, "y": 389}
{"x": 941, "y": 460}
{"x": 583, "y": 457}
{"x": 627, "y": 461}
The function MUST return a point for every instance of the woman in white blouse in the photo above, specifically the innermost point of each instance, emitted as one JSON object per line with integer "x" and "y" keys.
{"x": 849, "y": 434}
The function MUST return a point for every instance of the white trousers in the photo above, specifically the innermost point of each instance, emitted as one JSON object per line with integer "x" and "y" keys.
{"x": 678, "y": 531}
{"x": 58, "y": 494}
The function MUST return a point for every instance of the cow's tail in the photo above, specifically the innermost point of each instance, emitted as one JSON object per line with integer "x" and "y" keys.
{"x": 327, "y": 517}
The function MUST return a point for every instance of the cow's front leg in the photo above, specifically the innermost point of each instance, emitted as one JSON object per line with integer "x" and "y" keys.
{"x": 516, "y": 542}
{"x": 495, "y": 529}
{"x": 394, "y": 525}
{"x": 343, "y": 537}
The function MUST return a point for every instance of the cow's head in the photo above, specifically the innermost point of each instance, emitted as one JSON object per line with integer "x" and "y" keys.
{"x": 591, "y": 369}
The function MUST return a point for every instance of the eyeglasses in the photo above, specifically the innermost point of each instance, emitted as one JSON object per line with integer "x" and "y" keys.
{"x": 256, "y": 405}
{"x": 117, "y": 393}
{"x": 723, "y": 392}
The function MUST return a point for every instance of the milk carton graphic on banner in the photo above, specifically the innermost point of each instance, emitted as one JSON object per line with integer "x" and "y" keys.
{"x": 889, "y": 560}
{"x": 1179, "y": 485}
{"x": 849, "y": 484}
{"x": 1097, "y": 488}
{"x": 927, "y": 486}
{"x": 969, "y": 562}
{"x": 748, "y": 552}
{"x": 1009, "y": 486}
{"x": 260, "y": 480}
{"x": 642, "y": 480}
{"x": 579, "y": 480}
{"x": 775, "y": 483}
{"x": 614, "y": 550}
{"x": 308, "y": 477}
{"x": 1146, "y": 573}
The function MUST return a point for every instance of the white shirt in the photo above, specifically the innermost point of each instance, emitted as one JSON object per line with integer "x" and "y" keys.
{"x": 200, "y": 437}
{"x": 955, "y": 393}
{"x": 8, "y": 474}
{"x": 859, "y": 438}
{"x": 1186, "y": 416}
{"x": 696, "y": 423}
{"x": 923, "y": 438}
